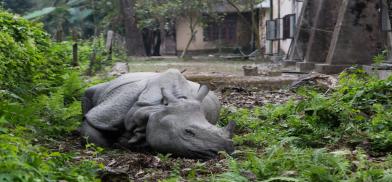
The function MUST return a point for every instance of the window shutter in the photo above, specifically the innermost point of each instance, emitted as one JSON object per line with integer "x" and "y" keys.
{"x": 293, "y": 25}
{"x": 271, "y": 30}
{"x": 289, "y": 25}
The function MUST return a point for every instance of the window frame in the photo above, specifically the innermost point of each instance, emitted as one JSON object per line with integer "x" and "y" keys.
{"x": 289, "y": 26}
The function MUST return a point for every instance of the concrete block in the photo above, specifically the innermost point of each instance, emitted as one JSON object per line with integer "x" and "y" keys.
{"x": 382, "y": 74}
{"x": 287, "y": 63}
{"x": 305, "y": 67}
{"x": 330, "y": 69}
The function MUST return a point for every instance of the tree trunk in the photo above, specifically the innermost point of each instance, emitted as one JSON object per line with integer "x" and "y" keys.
{"x": 184, "y": 52}
{"x": 134, "y": 40}
{"x": 252, "y": 25}
{"x": 192, "y": 27}
{"x": 93, "y": 61}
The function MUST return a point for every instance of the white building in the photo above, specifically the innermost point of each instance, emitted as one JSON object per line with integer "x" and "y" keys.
{"x": 278, "y": 25}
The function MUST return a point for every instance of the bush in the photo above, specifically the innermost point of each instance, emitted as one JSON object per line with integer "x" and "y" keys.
{"x": 39, "y": 101}
{"x": 26, "y": 57}
{"x": 22, "y": 161}
{"x": 359, "y": 111}
{"x": 285, "y": 162}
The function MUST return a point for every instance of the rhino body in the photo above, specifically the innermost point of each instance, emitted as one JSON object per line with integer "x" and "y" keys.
{"x": 163, "y": 111}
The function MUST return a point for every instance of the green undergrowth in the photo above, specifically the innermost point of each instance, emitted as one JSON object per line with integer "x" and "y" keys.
{"x": 40, "y": 97}
{"x": 27, "y": 123}
{"x": 344, "y": 135}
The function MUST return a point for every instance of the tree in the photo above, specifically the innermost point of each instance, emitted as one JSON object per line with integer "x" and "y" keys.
{"x": 248, "y": 5}
{"x": 65, "y": 16}
{"x": 193, "y": 11}
{"x": 19, "y": 6}
{"x": 162, "y": 14}
{"x": 134, "y": 41}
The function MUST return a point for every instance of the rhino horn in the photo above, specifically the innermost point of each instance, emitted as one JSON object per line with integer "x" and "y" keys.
{"x": 202, "y": 93}
{"x": 169, "y": 97}
{"x": 229, "y": 129}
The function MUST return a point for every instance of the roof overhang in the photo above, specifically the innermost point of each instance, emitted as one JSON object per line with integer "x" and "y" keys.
{"x": 264, "y": 5}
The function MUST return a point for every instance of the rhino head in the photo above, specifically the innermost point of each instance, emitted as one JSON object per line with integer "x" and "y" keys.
{"x": 179, "y": 127}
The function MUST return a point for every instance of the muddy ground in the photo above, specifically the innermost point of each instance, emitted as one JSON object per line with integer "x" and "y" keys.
{"x": 126, "y": 165}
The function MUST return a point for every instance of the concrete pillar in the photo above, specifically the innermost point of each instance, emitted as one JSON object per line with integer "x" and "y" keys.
{"x": 325, "y": 19}
{"x": 357, "y": 36}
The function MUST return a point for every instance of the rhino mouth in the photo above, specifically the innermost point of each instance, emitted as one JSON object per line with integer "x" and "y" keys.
{"x": 204, "y": 154}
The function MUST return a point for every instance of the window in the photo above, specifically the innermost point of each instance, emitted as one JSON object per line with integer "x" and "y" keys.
{"x": 226, "y": 30}
{"x": 289, "y": 26}
{"x": 274, "y": 29}
{"x": 271, "y": 32}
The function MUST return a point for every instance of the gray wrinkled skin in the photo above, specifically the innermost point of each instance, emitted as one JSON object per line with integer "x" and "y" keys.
{"x": 163, "y": 111}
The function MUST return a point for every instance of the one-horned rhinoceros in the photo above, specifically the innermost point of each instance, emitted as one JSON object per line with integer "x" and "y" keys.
{"x": 163, "y": 111}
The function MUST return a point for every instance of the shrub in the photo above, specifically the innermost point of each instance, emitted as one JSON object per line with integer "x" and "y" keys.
{"x": 285, "y": 162}
{"x": 22, "y": 161}
{"x": 26, "y": 58}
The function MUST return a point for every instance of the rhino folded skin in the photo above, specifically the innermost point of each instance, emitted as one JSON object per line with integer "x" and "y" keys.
{"x": 161, "y": 110}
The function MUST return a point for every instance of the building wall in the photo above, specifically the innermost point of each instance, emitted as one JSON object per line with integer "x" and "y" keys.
{"x": 280, "y": 8}
{"x": 183, "y": 34}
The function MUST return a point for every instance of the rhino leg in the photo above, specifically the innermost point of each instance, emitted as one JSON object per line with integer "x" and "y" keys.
{"x": 93, "y": 135}
{"x": 98, "y": 137}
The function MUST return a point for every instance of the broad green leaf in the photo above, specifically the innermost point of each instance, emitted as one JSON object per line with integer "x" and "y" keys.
{"x": 40, "y": 13}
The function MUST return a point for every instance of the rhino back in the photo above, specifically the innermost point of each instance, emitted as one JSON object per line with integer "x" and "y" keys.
{"x": 120, "y": 96}
{"x": 114, "y": 100}
{"x": 127, "y": 80}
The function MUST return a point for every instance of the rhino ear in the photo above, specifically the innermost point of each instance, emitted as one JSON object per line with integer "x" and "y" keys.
{"x": 202, "y": 93}
{"x": 229, "y": 129}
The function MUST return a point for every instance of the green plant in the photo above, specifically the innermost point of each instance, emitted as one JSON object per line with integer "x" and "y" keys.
{"x": 26, "y": 60}
{"x": 380, "y": 58}
{"x": 22, "y": 161}
{"x": 95, "y": 149}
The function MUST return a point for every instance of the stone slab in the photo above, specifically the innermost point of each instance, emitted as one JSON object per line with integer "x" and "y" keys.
{"x": 219, "y": 81}
{"x": 382, "y": 74}
{"x": 287, "y": 63}
{"x": 305, "y": 66}
{"x": 330, "y": 69}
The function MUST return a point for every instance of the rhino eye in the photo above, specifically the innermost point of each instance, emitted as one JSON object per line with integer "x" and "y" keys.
{"x": 190, "y": 132}
{"x": 183, "y": 97}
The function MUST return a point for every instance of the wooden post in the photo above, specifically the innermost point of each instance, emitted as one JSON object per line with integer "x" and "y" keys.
{"x": 109, "y": 44}
{"x": 59, "y": 35}
{"x": 75, "y": 49}
{"x": 92, "y": 63}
